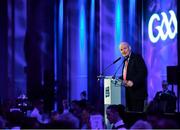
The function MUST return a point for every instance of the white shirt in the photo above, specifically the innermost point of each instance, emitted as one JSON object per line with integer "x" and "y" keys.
{"x": 120, "y": 122}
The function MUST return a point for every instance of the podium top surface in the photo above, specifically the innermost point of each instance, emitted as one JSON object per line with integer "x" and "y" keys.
{"x": 105, "y": 77}
{"x": 108, "y": 77}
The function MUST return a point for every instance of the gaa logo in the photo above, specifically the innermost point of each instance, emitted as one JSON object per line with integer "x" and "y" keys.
{"x": 165, "y": 28}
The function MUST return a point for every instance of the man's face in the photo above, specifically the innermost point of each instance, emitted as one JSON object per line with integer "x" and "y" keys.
{"x": 164, "y": 86}
{"x": 110, "y": 116}
{"x": 65, "y": 103}
{"x": 124, "y": 49}
{"x": 85, "y": 115}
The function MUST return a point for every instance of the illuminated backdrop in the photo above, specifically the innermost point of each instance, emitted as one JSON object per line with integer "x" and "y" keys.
{"x": 159, "y": 41}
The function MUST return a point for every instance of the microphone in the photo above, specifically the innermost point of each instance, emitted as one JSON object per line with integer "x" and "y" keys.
{"x": 117, "y": 60}
{"x": 101, "y": 75}
{"x": 114, "y": 76}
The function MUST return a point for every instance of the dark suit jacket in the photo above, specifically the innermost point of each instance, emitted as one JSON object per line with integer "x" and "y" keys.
{"x": 137, "y": 72}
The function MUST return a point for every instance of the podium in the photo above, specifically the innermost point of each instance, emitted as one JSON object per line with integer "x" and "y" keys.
{"x": 114, "y": 93}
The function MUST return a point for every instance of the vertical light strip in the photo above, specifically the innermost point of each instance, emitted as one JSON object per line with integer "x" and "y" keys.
{"x": 118, "y": 26}
{"x": 92, "y": 32}
{"x": 58, "y": 34}
{"x": 100, "y": 35}
{"x": 55, "y": 43}
{"x": 132, "y": 24}
{"x": 60, "y": 31}
{"x": 55, "y": 53}
{"x": 82, "y": 27}
{"x": 82, "y": 37}
{"x": 82, "y": 65}
{"x": 142, "y": 29}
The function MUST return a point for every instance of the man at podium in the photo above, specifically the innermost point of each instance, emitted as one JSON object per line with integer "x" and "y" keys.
{"x": 134, "y": 76}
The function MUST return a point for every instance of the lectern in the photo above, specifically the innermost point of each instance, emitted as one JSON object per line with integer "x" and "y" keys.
{"x": 114, "y": 93}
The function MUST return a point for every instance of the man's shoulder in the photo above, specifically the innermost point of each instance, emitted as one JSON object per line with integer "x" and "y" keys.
{"x": 137, "y": 58}
{"x": 137, "y": 55}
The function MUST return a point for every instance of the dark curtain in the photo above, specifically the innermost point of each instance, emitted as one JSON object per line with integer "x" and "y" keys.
{"x": 3, "y": 50}
{"x": 38, "y": 49}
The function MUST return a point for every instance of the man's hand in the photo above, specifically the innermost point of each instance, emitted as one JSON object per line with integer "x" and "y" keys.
{"x": 128, "y": 83}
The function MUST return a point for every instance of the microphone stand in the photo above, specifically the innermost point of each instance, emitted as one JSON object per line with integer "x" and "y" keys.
{"x": 101, "y": 76}
{"x": 114, "y": 76}
{"x": 114, "y": 79}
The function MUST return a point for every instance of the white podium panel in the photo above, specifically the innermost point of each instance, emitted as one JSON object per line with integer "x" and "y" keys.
{"x": 114, "y": 93}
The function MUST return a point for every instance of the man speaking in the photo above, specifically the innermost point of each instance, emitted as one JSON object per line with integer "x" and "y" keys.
{"x": 134, "y": 78}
